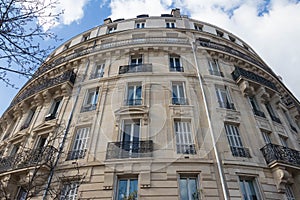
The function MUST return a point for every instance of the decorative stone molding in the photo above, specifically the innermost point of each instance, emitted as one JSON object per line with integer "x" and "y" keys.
{"x": 263, "y": 94}
{"x": 38, "y": 100}
{"x": 141, "y": 112}
{"x": 282, "y": 177}
{"x": 47, "y": 96}
{"x": 246, "y": 89}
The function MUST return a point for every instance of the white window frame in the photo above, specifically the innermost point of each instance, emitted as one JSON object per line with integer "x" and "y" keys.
{"x": 184, "y": 137}
{"x": 99, "y": 70}
{"x": 177, "y": 97}
{"x": 222, "y": 92}
{"x": 140, "y": 24}
{"x": 69, "y": 191}
{"x": 190, "y": 193}
{"x": 245, "y": 187}
{"x": 266, "y": 136}
{"x": 170, "y": 24}
{"x": 175, "y": 63}
{"x": 128, "y": 189}
{"x": 134, "y": 99}
{"x": 55, "y": 107}
{"x": 79, "y": 144}
{"x": 214, "y": 67}
{"x": 198, "y": 27}
{"x": 233, "y": 136}
{"x": 91, "y": 99}
{"x": 136, "y": 59}
{"x": 283, "y": 140}
{"x": 111, "y": 29}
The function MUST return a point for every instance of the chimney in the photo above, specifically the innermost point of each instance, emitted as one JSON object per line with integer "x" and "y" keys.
{"x": 107, "y": 21}
{"x": 175, "y": 12}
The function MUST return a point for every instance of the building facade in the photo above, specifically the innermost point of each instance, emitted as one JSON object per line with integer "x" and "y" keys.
{"x": 161, "y": 107}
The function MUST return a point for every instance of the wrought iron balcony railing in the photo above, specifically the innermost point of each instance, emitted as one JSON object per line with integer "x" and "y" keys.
{"x": 28, "y": 158}
{"x": 176, "y": 69}
{"x": 259, "y": 113}
{"x": 74, "y": 155}
{"x": 130, "y": 149}
{"x": 277, "y": 153}
{"x": 31, "y": 90}
{"x": 186, "y": 148}
{"x": 232, "y": 51}
{"x": 275, "y": 119}
{"x": 88, "y": 107}
{"x": 227, "y": 105}
{"x": 240, "y": 152}
{"x": 179, "y": 101}
{"x": 239, "y": 72}
{"x": 216, "y": 73}
{"x": 133, "y": 102}
{"x": 135, "y": 68}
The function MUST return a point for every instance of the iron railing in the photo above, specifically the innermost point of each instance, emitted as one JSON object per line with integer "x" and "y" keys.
{"x": 28, "y": 158}
{"x": 278, "y": 153}
{"x": 259, "y": 113}
{"x": 130, "y": 149}
{"x": 135, "y": 68}
{"x": 240, "y": 152}
{"x": 230, "y": 50}
{"x": 176, "y": 69}
{"x": 186, "y": 148}
{"x": 239, "y": 72}
{"x": 227, "y": 105}
{"x": 179, "y": 101}
{"x": 133, "y": 102}
{"x": 216, "y": 73}
{"x": 77, "y": 154}
{"x": 31, "y": 90}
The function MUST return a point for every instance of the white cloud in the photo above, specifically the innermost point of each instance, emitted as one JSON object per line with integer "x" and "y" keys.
{"x": 273, "y": 34}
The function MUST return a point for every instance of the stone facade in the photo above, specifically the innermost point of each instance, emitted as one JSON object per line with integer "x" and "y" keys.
{"x": 152, "y": 108}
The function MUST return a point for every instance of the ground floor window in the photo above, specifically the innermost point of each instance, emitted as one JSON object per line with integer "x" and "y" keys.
{"x": 249, "y": 188}
{"x": 188, "y": 187}
{"x": 127, "y": 189}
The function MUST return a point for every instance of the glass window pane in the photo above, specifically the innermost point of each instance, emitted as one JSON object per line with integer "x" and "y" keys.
{"x": 122, "y": 189}
{"x": 183, "y": 189}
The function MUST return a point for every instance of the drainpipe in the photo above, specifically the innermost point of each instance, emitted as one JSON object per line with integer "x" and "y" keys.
{"x": 62, "y": 144}
{"x": 219, "y": 164}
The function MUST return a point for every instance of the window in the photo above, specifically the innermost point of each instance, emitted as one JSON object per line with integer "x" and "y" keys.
{"x": 178, "y": 94}
{"x": 232, "y": 39}
{"x": 41, "y": 142}
{"x": 69, "y": 191}
{"x": 111, "y": 29}
{"x": 28, "y": 119}
{"x": 53, "y": 110}
{"x": 214, "y": 68}
{"x": 289, "y": 192}
{"x": 15, "y": 150}
{"x": 255, "y": 107}
{"x": 188, "y": 187}
{"x": 140, "y": 25}
{"x": 134, "y": 94}
{"x": 91, "y": 100}
{"x": 272, "y": 113}
{"x": 198, "y": 27}
{"x": 224, "y": 98}
{"x": 290, "y": 121}
{"x": 79, "y": 144}
{"x": 249, "y": 188}
{"x": 130, "y": 137}
{"x": 235, "y": 141}
{"x": 283, "y": 140}
{"x": 67, "y": 46}
{"x": 266, "y": 137}
{"x": 184, "y": 137}
{"x": 170, "y": 25}
{"x": 22, "y": 194}
{"x": 136, "y": 60}
{"x": 127, "y": 189}
{"x": 85, "y": 37}
{"x": 219, "y": 33}
{"x": 98, "y": 71}
{"x": 175, "y": 65}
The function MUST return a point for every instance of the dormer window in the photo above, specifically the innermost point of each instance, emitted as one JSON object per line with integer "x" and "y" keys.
{"x": 85, "y": 37}
{"x": 111, "y": 29}
{"x": 232, "y": 39}
{"x": 219, "y": 33}
{"x": 140, "y": 24}
{"x": 198, "y": 27}
{"x": 170, "y": 24}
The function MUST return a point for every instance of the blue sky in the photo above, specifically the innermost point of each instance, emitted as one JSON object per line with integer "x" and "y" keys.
{"x": 270, "y": 27}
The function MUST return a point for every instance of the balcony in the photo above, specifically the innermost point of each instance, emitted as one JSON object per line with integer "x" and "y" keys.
{"x": 88, "y": 107}
{"x": 241, "y": 73}
{"x": 133, "y": 102}
{"x": 274, "y": 153}
{"x": 130, "y": 149}
{"x": 259, "y": 113}
{"x": 240, "y": 152}
{"x": 28, "y": 158}
{"x": 176, "y": 69}
{"x": 68, "y": 76}
{"x": 186, "y": 148}
{"x": 179, "y": 101}
{"x": 135, "y": 68}
{"x": 74, "y": 155}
